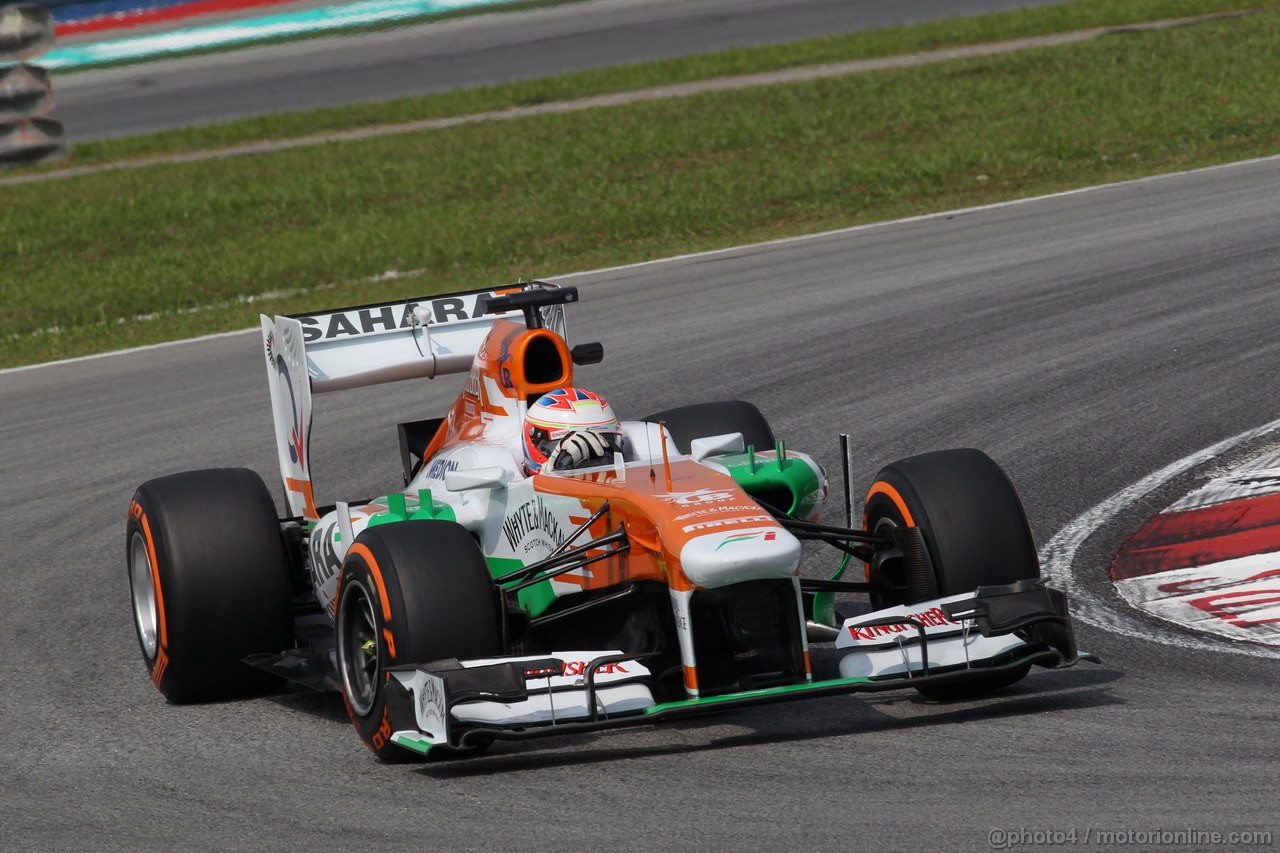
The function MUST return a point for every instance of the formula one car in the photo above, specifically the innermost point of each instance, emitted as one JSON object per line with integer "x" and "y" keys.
{"x": 487, "y": 600}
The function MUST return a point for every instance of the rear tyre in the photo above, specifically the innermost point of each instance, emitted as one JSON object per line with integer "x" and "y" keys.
{"x": 974, "y": 531}
{"x": 410, "y": 592}
{"x": 686, "y": 423}
{"x": 209, "y": 580}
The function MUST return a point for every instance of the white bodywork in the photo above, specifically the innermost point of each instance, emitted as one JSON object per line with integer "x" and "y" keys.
{"x": 895, "y": 649}
{"x": 720, "y": 559}
{"x": 619, "y": 689}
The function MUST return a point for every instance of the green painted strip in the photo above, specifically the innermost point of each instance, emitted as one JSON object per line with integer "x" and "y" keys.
{"x": 754, "y": 694}
{"x": 760, "y": 474}
{"x": 402, "y": 507}
{"x": 408, "y": 741}
{"x": 824, "y": 603}
{"x": 535, "y": 599}
{"x": 322, "y": 19}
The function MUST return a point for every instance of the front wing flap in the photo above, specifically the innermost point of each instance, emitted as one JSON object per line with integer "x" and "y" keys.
{"x": 966, "y": 633}
{"x": 450, "y": 698}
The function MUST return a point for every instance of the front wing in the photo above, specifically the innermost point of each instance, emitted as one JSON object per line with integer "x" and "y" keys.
{"x": 950, "y": 641}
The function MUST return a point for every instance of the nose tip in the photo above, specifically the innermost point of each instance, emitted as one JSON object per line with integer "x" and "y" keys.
{"x": 728, "y": 557}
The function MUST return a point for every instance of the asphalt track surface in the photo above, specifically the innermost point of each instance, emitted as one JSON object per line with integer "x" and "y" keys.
{"x": 1084, "y": 341}
{"x": 471, "y": 51}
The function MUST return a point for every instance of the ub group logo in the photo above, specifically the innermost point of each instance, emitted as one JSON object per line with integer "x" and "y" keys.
{"x": 698, "y": 496}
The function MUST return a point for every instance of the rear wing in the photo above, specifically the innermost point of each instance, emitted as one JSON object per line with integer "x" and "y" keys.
{"x": 423, "y": 337}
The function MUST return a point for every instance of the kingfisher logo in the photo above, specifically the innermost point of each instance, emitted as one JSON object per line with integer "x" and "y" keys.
{"x": 934, "y": 617}
{"x": 758, "y": 536}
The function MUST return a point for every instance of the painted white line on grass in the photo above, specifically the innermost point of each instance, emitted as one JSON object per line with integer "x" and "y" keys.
{"x": 924, "y": 217}
{"x": 389, "y": 275}
{"x": 1058, "y": 559}
{"x": 131, "y": 350}
{"x": 781, "y": 241}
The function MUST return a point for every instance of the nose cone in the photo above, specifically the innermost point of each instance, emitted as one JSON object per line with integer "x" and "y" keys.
{"x": 758, "y": 553}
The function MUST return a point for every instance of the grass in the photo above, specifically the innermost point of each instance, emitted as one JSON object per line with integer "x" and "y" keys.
{"x": 187, "y": 246}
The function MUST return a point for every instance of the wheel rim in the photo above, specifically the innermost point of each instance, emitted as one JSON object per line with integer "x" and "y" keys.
{"x": 359, "y": 655}
{"x": 143, "y": 586}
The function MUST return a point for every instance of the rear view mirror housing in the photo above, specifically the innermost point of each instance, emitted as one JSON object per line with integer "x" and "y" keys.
{"x": 717, "y": 445}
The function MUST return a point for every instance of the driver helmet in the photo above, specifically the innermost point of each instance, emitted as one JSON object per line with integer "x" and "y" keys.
{"x": 561, "y": 413}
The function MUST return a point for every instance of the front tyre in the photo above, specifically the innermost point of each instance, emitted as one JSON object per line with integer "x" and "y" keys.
{"x": 209, "y": 581}
{"x": 410, "y": 592}
{"x": 701, "y": 420}
{"x": 974, "y": 532}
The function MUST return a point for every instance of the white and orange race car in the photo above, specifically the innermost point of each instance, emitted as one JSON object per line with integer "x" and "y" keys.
{"x": 659, "y": 580}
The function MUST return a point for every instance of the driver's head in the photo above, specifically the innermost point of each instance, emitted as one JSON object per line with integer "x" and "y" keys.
{"x": 584, "y": 418}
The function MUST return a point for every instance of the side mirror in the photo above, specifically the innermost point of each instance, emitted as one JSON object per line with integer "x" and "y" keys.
{"x": 714, "y": 445}
{"x": 592, "y": 353}
{"x": 476, "y": 478}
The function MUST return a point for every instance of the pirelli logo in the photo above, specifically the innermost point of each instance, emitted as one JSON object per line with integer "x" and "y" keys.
{"x": 161, "y": 664}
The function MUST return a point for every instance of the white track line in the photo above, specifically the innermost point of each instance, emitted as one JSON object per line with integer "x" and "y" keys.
{"x": 1058, "y": 560}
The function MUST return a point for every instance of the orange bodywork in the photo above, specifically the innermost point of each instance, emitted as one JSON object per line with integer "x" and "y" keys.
{"x": 658, "y": 520}
{"x": 500, "y": 380}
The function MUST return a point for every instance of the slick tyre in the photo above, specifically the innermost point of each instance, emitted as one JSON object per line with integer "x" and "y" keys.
{"x": 705, "y": 419}
{"x": 410, "y": 592}
{"x": 974, "y": 532}
{"x": 209, "y": 580}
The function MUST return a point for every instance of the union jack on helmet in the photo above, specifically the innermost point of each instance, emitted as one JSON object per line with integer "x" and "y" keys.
{"x": 562, "y": 412}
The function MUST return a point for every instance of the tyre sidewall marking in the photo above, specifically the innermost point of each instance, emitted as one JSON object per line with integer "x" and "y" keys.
{"x": 160, "y": 663}
{"x": 375, "y": 727}
{"x": 361, "y": 550}
{"x": 880, "y": 487}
